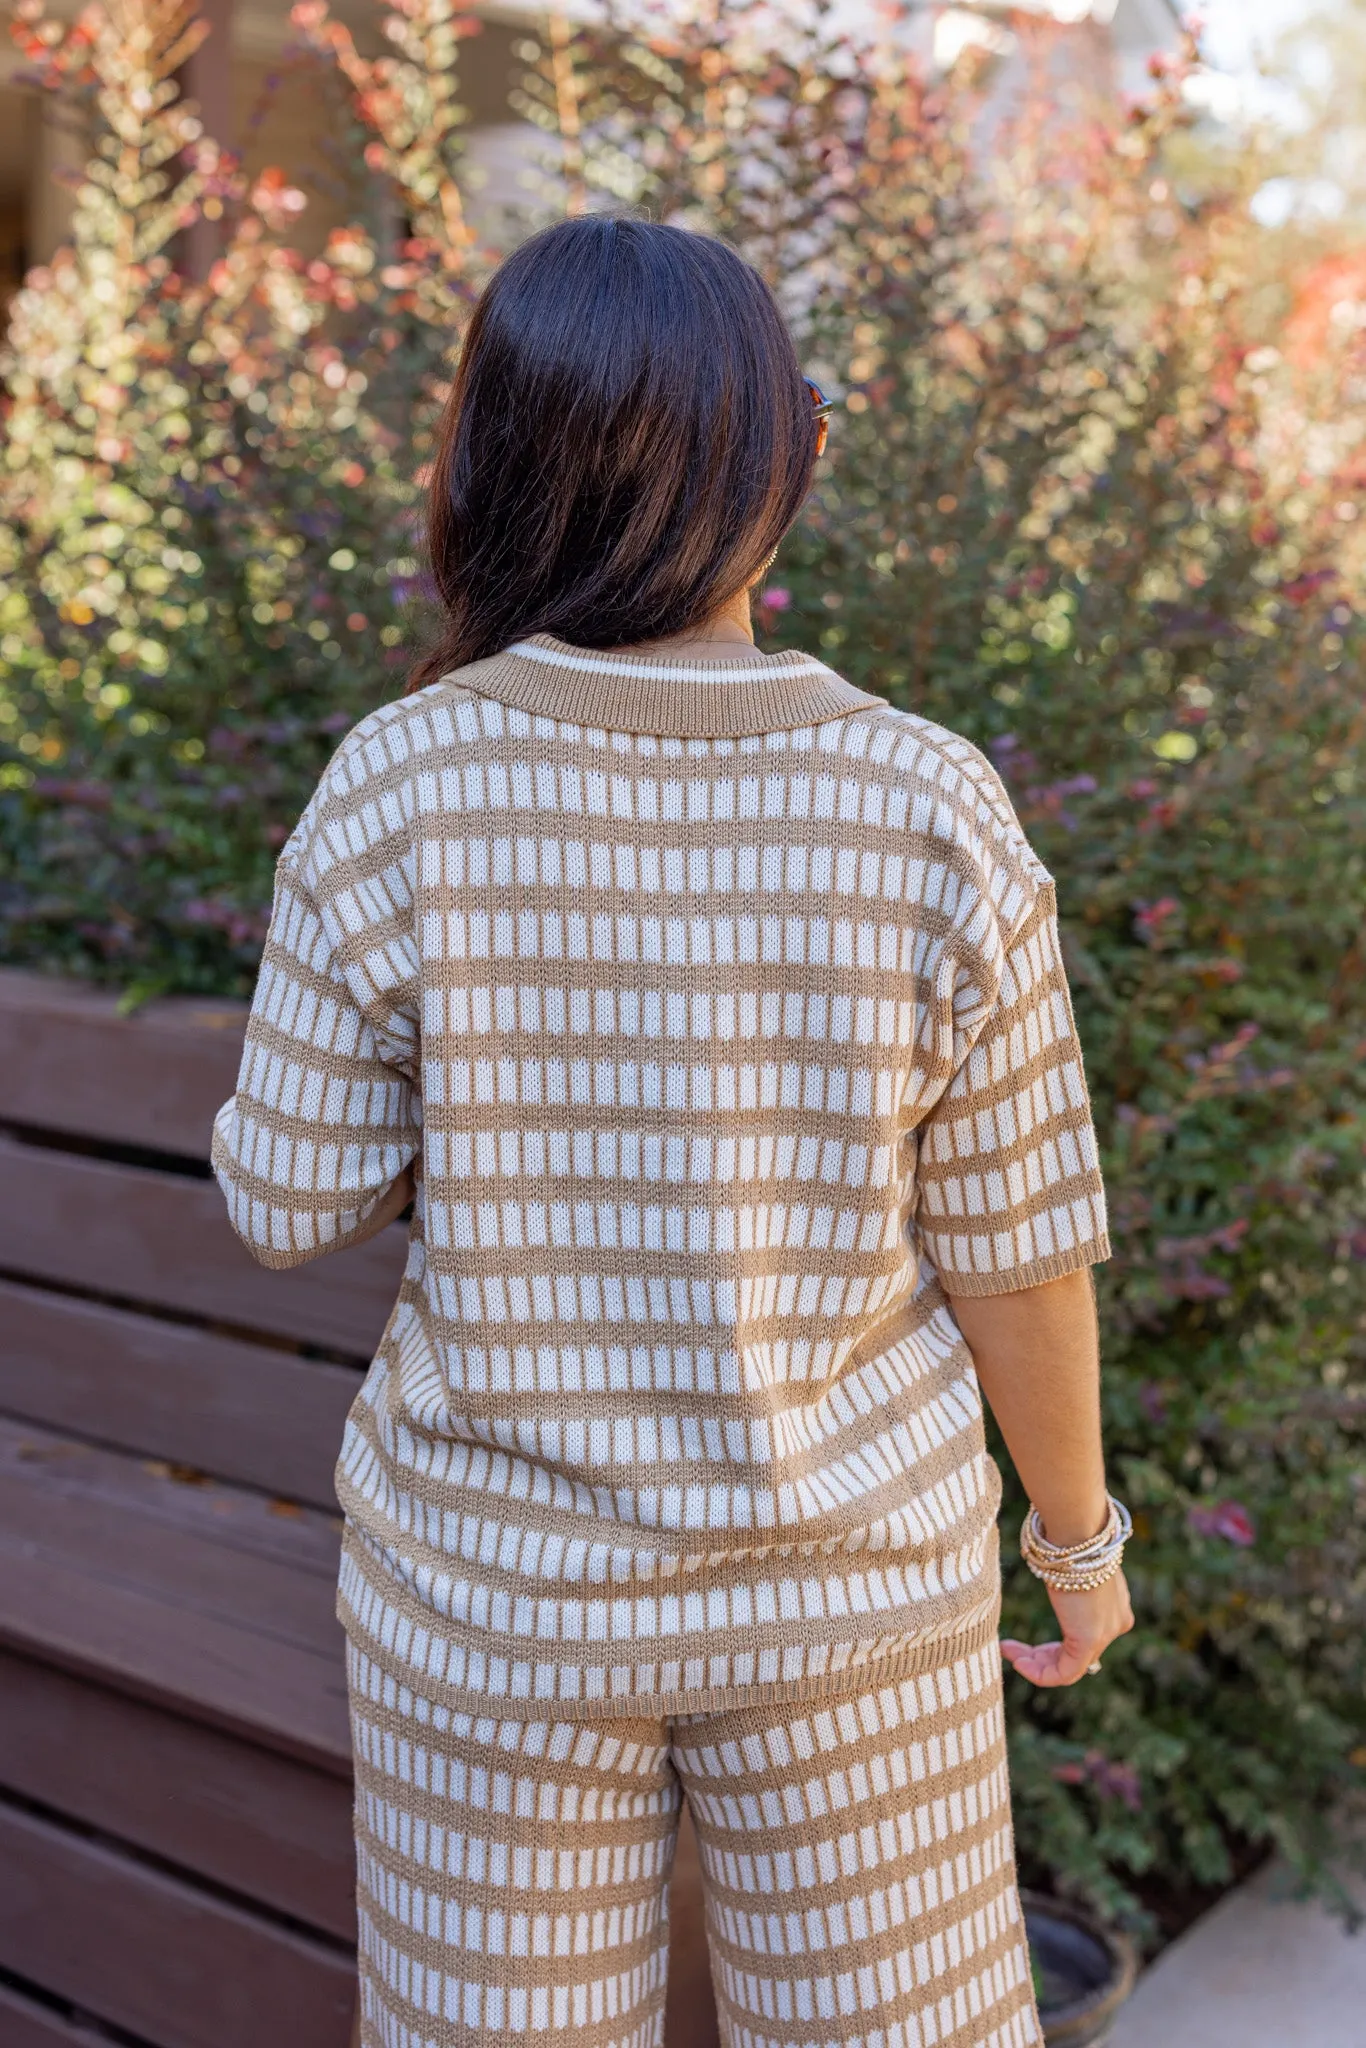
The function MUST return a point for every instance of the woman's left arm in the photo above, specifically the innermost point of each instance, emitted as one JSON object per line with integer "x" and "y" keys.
{"x": 1010, "y": 1208}
{"x": 1038, "y": 1364}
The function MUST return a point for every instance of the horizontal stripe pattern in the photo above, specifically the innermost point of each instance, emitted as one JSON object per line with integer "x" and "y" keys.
{"x": 724, "y": 1062}
{"x": 856, "y": 1855}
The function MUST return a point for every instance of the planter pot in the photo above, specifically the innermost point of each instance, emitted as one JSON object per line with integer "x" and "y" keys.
{"x": 1083, "y": 1969}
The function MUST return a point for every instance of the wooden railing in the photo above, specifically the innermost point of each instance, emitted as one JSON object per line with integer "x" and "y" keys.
{"x": 175, "y": 1841}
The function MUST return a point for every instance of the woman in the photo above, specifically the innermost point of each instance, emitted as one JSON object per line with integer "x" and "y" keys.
{"x": 712, "y": 1012}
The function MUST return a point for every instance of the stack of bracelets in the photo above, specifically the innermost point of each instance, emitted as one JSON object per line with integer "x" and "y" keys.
{"x": 1077, "y": 1567}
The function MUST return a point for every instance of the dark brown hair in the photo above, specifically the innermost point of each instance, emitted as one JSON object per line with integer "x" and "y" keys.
{"x": 628, "y": 439}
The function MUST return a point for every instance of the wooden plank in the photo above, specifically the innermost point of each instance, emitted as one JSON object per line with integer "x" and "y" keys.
{"x": 690, "y": 2008}
{"x": 259, "y": 1824}
{"x": 286, "y": 1697}
{"x": 70, "y": 1062}
{"x": 196, "y": 1594}
{"x": 164, "y": 1240}
{"x": 183, "y": 1570}
{"x": 179, "y": 1966}
{"x": 26, "y": 2024}
{"x": 239, "y": 1410}
{"x": 230, "y": 1517}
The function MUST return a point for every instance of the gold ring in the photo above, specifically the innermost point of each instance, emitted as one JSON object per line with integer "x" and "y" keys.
{"x": 1093, "y": 1670}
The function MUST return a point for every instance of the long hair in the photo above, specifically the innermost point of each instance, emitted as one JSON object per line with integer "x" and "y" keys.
{"x": 627, "y": 440}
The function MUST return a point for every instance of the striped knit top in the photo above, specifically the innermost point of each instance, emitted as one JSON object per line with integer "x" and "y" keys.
{"x": 720, "y": 1008}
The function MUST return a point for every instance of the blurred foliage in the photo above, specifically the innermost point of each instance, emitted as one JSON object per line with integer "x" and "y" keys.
{"x": 1078, "y": 507}
{"x": 207, "y": 538}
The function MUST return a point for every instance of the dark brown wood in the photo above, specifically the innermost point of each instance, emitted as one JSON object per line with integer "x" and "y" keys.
{"x": 179, "y": 1966}
{"x": 690, "y": 2010}
{"x": 172, "y": 1674}
{"x": 26, "y": 2024}
{"x": 243, "y": 1411}
{"x": 164, "y": 1240}
{"x": 254, "y": 1822}
{"x": 287, "y": 1698}
{"x": 70, "y": 1062}
{"x": 232, "y": 1517}
{"x": 153, "y": 1543}
{"x": 199, "y": 1595}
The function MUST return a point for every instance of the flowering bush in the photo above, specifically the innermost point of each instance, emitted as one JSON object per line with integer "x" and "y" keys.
{"x": 206, "y": 538}
{"x": 1068, "y": 511}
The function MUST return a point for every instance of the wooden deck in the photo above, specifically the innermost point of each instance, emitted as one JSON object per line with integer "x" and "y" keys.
{"x": 175, "y": 1843}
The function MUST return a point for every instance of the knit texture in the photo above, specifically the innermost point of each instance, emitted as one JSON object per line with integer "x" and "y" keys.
{"x": 857, "y": 1864}
{"x": 724, "y": 1048}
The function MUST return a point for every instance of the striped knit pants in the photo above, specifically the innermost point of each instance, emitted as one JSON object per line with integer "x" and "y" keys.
{"x": 856, "y": 1853}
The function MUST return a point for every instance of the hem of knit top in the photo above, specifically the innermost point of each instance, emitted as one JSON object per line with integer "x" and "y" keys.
{"x": 729, "y": 694}
{"x": 927, "y": 1653}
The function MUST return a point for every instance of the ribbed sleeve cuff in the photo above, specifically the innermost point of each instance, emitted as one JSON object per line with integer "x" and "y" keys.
{"x": 1015, "y": 1279}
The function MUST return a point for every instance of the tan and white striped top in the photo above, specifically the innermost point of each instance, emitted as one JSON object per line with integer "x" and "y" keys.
{"x": 721, "y": 1007}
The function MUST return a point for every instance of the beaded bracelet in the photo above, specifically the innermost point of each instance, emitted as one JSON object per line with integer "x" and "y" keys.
{"x": 1077, "y": 1567}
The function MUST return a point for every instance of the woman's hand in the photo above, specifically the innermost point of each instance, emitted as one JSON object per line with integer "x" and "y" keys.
{"x": 1090, "y": 1622}
{"x": 1038, "y": 1362}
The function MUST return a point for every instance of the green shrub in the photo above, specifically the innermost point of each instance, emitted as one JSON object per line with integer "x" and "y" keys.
{"x": 207, "y": 540}
{"x": 1067, "y": 512}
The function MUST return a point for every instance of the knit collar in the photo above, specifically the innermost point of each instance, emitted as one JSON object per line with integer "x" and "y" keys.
{"x": 724, "y": 694}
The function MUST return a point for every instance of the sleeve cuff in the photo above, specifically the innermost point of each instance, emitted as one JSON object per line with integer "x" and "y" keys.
{"x": 1015, "y": 1279}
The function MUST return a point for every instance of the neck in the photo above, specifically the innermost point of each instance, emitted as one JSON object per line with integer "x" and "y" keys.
{"x": 730, "y": 624}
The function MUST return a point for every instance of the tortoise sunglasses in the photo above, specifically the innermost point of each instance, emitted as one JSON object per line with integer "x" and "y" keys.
{"x": 823, "y": 408}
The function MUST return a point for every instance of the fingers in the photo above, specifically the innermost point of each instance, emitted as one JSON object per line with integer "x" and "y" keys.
{"x": 1051, "y": 1664}
{"x": 1090, "y": 1622}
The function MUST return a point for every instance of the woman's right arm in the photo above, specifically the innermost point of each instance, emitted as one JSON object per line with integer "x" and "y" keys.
{"x": 315, "y": 1151}
{"x": 1038, "y": 1364}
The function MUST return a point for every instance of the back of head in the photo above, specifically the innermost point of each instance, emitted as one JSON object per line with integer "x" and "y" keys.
{"x": 627, "y": 441}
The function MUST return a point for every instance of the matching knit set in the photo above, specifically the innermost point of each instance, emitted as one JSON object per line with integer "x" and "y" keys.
{"x": 721, "y": 1009}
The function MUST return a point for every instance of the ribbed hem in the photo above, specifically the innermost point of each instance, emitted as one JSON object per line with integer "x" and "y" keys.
{"x": 726, "y": 695}
{"x": 970, "y": 1622}
{"x": 1014, "y": 1279}
{"x": 928, "y": 1653}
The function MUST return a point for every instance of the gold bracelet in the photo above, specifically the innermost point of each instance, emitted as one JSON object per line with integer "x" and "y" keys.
{"x": 1062, "y": 1553}
{"x": 1077, "y": 1567}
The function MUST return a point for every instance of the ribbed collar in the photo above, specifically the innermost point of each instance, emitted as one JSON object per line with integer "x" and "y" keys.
{"x": 735, "y": 691}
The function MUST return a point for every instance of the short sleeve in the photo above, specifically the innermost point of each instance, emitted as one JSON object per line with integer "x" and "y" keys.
{"x": 324, "y": 1119}
{"x": 1009, "y": 1192}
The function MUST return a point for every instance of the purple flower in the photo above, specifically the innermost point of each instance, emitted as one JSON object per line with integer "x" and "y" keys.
{"x": 775, "y": 598}
{"x": 1111, "y": 1780}
{"x": 1115, "y": 1781}
{"x": 1152, "y": 1401}
{"x": 1226, "y": 1518}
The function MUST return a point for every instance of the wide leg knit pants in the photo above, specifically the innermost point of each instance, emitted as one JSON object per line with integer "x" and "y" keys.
{"x": 856, "y": 1853}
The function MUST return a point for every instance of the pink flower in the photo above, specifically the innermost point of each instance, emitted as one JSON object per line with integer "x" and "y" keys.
{"x": 1151, "y": 919}
{"x": 241, "y": 927}
{"x": 775, "y": 598}
{"x": 1228, "y": 1519}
